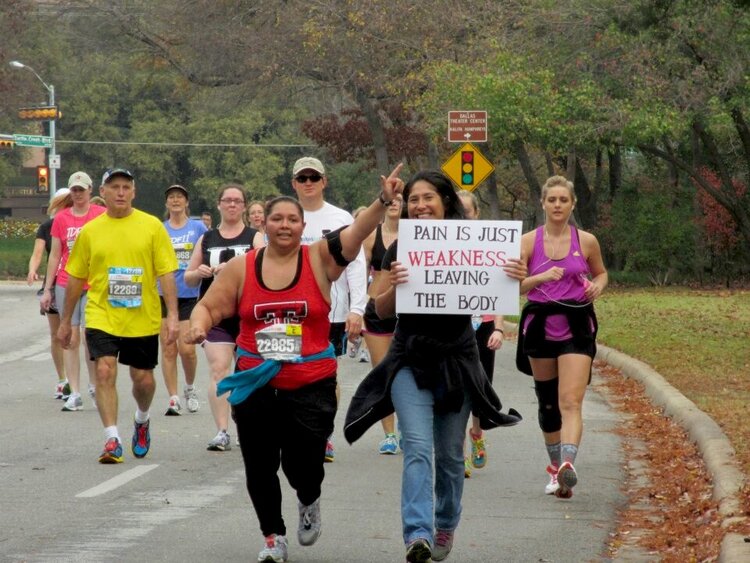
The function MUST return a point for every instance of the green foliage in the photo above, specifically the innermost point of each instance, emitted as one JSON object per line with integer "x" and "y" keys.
{"x": 14, "y": 252}
{"x": 654, "y": 229}
{"x": 351, "y": 185}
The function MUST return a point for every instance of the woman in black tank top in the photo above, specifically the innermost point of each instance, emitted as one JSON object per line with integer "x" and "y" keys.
{"x": 378, "y": 332}
{"x": 215, "y": 248}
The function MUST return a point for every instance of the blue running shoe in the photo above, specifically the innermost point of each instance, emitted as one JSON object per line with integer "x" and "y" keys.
{"x": 389, "y": 445}
{"x": 141, "y": 438}
{"x": 112, "y": 452}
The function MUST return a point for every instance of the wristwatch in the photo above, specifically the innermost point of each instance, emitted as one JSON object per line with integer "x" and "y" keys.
{"x": 386, "y": 203}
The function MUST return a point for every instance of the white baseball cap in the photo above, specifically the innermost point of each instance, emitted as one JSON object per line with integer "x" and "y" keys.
{"x": 308, "y": 163}
{"x": 80, "y": 179}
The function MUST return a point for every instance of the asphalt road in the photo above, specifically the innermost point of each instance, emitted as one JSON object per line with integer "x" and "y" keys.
{"x": 183, "y": 503}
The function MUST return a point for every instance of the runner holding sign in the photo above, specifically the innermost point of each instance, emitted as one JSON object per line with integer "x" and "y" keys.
{"x": 431, "y": 375}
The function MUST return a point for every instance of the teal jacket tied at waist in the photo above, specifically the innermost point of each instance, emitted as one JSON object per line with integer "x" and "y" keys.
{"x": 241, "y": 384}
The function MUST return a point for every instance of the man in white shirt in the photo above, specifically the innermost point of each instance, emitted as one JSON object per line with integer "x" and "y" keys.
{"x": 349, "y": 292}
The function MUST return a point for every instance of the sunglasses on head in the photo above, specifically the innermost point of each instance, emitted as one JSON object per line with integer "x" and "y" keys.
{"x": 302, "y": 178}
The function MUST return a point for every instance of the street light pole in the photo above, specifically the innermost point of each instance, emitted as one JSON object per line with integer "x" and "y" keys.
{"x": 52, "y": 156}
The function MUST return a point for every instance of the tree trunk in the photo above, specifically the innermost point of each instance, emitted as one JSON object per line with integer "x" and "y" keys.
{"x": 615, "y": 171}
{"x": 494, "y": 199}
{"x": 376, "y": 128}
{"x": 571, "y": 166}
{"x": 744, "y": 133}
{"x": 432, "y": 155}
{"x": 550, "y": 164}
{"x": 534, "y": 215}
{"x": 598, "y": 172}
{"x": 491, "y": 187}
{"x": 586, "y": 204}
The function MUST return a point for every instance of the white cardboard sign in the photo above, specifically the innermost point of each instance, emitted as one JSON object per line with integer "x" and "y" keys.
{"x": 455, "y": 266}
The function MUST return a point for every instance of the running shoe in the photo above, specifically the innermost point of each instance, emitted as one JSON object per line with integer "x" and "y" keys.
{"x": 220, "y": 443}
{"x": 418, "y": 551}
{"x": 275, "y": 550}
{"x": 443, "y": 544}
{"x": 174, "y": 408}
{"x": 330, "y": 454}
{"x": 308, "y": 531}
{"x": 567, "y": 479}
{"x": 551, "y": 487}
{"x": 478, "y": 453}
{"x": 364, "y": 356}
{"x": 92, "y": 394}
{"x": 191, "y": 399}
{"x": 60, "y": 389}
{"x": 112, "y": 452}
{"x": 74, "y": 403}
{"x": 141, "y": 438}
{"x": 467, "y": 468}
{"x": 389, "y": 445}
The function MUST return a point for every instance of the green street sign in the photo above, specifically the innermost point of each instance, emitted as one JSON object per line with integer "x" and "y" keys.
{"x": 33, "y": 141}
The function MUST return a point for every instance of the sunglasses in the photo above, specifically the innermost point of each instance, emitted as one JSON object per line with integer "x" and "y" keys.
{"x": 302, "y": 178}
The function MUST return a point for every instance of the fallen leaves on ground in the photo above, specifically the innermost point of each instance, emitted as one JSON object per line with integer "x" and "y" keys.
{"x": 670, "y": 513}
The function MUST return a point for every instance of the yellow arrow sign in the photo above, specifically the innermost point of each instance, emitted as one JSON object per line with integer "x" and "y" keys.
{"x": 467, "y": 167}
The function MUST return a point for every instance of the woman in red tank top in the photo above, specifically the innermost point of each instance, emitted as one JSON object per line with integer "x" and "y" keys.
{"x": 287, "y": 377}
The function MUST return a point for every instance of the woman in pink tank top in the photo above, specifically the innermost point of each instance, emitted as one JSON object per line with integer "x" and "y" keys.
{"x": 557, "y": 337}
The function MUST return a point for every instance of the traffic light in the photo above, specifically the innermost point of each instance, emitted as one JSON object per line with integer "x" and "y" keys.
{"x": 40, "y": 113}
{"x": 42, "y": 179}
{"x": 467, "y": 168}
{"x": 6, "y": 142}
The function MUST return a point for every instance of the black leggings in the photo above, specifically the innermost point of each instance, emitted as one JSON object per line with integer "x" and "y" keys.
{"x": 486, "y": 356}
{"x": 287, "y": 429}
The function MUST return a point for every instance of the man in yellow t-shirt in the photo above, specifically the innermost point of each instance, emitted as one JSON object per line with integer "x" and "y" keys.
{"x": 122, "y": 253}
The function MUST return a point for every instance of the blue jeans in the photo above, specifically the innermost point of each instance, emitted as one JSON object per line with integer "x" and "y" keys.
{"x": 424, "y": 506}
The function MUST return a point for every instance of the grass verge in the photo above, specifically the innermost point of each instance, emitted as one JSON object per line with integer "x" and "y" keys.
{"x": 14, "y": 257}
{"x": 698, "y": 340}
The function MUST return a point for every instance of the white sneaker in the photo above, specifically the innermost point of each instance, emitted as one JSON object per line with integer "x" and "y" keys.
{"x": 567, "y": 478}
{"x": 275, "y": 550}
{"x": 62, "y": 389}
{"x": 551, "y": 487}
{"x": 191, "y": 398}
{"x": 92, "y": 394}
{"x": 220, "y": 443}
{"x": 364, "y": 356}
{"x": 174, "y": 408}
{"x": 74, "y": 403}
{"x": 309, "y": 523}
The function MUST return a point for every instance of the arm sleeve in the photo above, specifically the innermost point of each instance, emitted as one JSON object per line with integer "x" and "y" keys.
{"x": 356, "y": 277}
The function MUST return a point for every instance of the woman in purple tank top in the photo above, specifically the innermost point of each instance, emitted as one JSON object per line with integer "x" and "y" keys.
{"x": 557, "y": 340}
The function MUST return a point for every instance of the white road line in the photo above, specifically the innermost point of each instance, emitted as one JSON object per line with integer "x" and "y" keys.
{"x": 118, "y": 481}
{"x": 43, "y": 357}
{"x": 30, "y": 350}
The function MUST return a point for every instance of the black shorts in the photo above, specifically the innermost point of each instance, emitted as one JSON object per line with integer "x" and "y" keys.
{"x": 556, "y": 348}
{"x": 185, "y": 306}
{"x": 141, "y": 352}
{"x": 375, "y": 325}
{"x": 337, "y": 336}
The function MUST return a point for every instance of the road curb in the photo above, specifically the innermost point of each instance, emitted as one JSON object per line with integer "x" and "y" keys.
{"x": 713, "y": 445}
